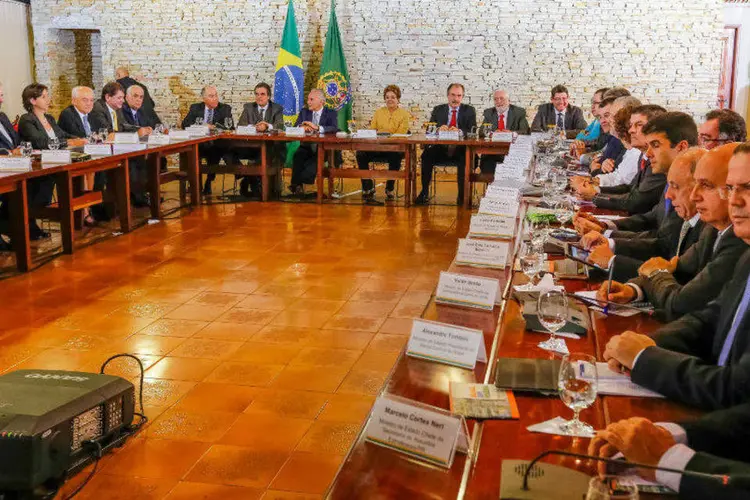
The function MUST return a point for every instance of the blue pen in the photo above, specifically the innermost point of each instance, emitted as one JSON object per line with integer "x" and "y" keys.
{"x": 609, "y": 284}
{"x": 582, "y": 369}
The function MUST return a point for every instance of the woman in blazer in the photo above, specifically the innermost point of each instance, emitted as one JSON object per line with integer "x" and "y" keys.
{"x": 38, "y": 127}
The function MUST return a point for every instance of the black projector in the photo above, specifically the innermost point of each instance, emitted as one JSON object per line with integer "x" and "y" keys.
{"x": 46, "y": 416}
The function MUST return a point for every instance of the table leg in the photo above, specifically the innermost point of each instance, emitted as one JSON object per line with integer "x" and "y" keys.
{"x": 407, "y": 183}
{"x": 331, "y": 166}
{"x": 194, "y": 174}
{"x": 78, "y": 189}
{"x": 121, "y": 175}
{"x": 414, "y": 172}
{"x": 319, "y": 178}
{"x": 19, "y": 227}
{"x": 153, "y": 166}
{"x": 467, "y": 176}
{"x": 65, "y": 210}
{"x": 264, "y": 171}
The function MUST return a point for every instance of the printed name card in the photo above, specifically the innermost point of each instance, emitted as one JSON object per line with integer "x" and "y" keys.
{"x": 498, "y": 192}
{"x": 511, "y": 169}
{"x": 366, "y": 134}
{"x": 120, "y": 149}
{"x": 246, "y": 130}
{"x": 468, "y": 291}
{"x": 56, "y": 156}
{"x": 448, "y": 135}
{"x": 98, "y": 149}
{"x": 447, "y": 344}
{"x": 502, "y": 137}
{"x": 158, "y": 139}
{"x": 295, "y": 131}
{"x": 499, "y": 206}
{"x": 482, "y": 253}
{"x": 418, "y": 432}
{"x": 492, "y": 226}
{"x": 178, "y": 135}
{"x": 198, "y": 130}
{"x": 15, "y": 164}
{"x": 126, "y": 138}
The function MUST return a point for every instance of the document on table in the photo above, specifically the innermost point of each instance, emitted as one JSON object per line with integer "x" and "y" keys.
{"x": 611, "y": 383}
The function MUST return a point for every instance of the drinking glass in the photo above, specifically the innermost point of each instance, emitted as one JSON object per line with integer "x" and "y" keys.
{"x": 612, "y": 488}
{"x": 159, "y": 129}
{"x": 531, "y": 261}
{"x": 352, "y": 124}
{"x": 103, "y": 134}
{"x": 199, "y": 121}
{"x": 53, "y": 144}
{"x": 539, "y": 231}
{"x": 552, "y": 309}
{"x": 26, "y": 149}
{"x": 228, "y": 123}
{"x": 431, "y": 129}
{"x": 577, "y": 384}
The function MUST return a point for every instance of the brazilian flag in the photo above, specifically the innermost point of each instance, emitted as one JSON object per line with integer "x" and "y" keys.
{"x": 334, "y": 78}
{"x": 289, "y": 82}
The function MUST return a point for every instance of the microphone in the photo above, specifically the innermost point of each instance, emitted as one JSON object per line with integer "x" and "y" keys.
{"x": 719, "y": 478}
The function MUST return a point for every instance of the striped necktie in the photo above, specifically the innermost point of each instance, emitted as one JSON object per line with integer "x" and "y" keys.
{"x": 683, "y": 233}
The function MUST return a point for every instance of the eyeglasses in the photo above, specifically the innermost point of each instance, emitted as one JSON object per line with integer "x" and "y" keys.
{"x": 705, "y": 138}
{"x": 705, "y": 186}
{"x": 738, "y": 189}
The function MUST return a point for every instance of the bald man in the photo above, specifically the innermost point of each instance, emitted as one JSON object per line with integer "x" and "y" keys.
{"x": 503, "y": 116}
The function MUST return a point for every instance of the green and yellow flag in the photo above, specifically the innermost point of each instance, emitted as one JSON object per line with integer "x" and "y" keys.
{"x": 334, "y": 78}
{"x": 289, "y": 87}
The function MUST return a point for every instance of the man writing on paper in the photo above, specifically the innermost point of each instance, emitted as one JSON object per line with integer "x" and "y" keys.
{"x": 503, "y": 116}
{"x": 315, "y": 119}
{"x": 716, "y": 443}
{"x": 453, "y": 116}
{"x": 703, "y": 358}
{"x": 686, "y": 283}
{"x": 265, "y": 115}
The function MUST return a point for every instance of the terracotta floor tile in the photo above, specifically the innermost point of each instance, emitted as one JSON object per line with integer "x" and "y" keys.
{"x": 174, "y": 368}
{"x": 155, "y": 458}
{"x": 406, "y": 310}
{"x": 236, "y": 465}
{"x": 228, "y": 331}
{"x": 388, "y": 284}
{"x": 184, "y": 425}
{"x": 329, "y": 437}
{"x": 288, "y": 403}
{"x": 288, "y": 495}
{"x": 399, "y": 326}
{"x": 248, "y": 316}
{"x": 302, "y": 319}
{"x": 390, "y": 296}
{"x": 388, "y": 342}
{"x": 198, "y": 312}
{"x": 208, "y": 396}
{"x": 347, "y": 408}
{"x": 307, "y": 472}
{"x": 217, "y": 299}
{"x": 203, "y": 491}
{"x": 245, "y": 374}
{"x": 171, "y": 295}
{"x": 122, "y": 488}
{"x": 280, "y": 334}
{"x": 416, "y": 297}
{"x": 206, "y": 348}
{"x": 340, "y": 339}
{"x": 266, "y": 353}
{"x": 367, "y": 382}
{"x": 359, "y": 323}
{"x": 150, "y": 344}
{"x": 268, "y": 302}
{"x": 310, "y": 378}
{"x": 377, "y": 360}
{"x": 264, "y": 432}
{"x": 147, "y": 309}
{"x": 289, "y": 291}
{"x": 303, "y": 304}
{"x": 366, "y": 309}
{"x": 329, "y": 292}
{"x": 236, "y": 286}
{"x": 316, "y": 356}
{"x": 122, "y": 367}
{"x": 173, "y": 328}
{"x": 160, "y": 392}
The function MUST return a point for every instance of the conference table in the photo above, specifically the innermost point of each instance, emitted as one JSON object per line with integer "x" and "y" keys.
{"x": 72, "y": 198}
{"x": 371, "y": 471}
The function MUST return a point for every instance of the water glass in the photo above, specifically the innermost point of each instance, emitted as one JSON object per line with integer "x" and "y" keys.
{"x": 612, "y": 488}
{"x": 552, "y": 309}
{"x": 577, "y": 385}
{"x": 26, "y": 149}
{"x": 228, "y": 123}
{"x": 53, "y": 144}
{"x": 352, "y": 125}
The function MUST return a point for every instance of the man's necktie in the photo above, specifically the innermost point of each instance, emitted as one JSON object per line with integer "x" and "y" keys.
{"x": 7, "y": 142}
{"x": 560, "y": 122}
{"x": 643, "y": 163}
{"x": 667, "y": 201}
{"x": 501, "y": 122}
{"x": 452, "y": 122}
{"x": 115, "y": 125}
{"x": 210, "y": 116}
{"x": 738, "y": 315}
{"x": 683, "y": 232}
{"x": 135, "y": 118}
{"x": 316, "y": 117}
{"x": 86, "y": 125}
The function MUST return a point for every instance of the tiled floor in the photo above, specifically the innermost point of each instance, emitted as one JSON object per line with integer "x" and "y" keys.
{"x": 266, "y": 330}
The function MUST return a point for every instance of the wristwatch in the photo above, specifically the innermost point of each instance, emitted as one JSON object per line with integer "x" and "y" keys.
{"x": 655, "y": 272}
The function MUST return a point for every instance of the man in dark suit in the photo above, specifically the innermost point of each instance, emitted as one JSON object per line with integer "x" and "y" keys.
{"x": 558, "y": 112}
{"x": 266, "y": 116}
{"x": 315, "y": 118}
{"x": 703, "y": 358}
{"x": 686, "y": 283}
{"x": 502, "y": 116}
{"x": 715, "y": 444}
{"x": 215, "y": 114}
{"x": 107, "y": 111}
{"x": 133, "y": 110}
{"x": 451, "y": 116}
{"x": 75, "y": 118}
{"x": 122, "y": 74}
{"x": 9, "y": 142}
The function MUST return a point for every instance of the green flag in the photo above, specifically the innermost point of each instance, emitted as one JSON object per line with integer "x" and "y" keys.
{"x": 334, "y": 78}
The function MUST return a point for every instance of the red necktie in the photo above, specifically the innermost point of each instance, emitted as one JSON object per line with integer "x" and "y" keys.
{"x": 501, "y": 122}
{"x": 643, "y": 163}
{"x": 452, "y": 123}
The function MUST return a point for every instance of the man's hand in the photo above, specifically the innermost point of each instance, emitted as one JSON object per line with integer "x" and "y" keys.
{"x": 261, "y": 126}
{"x": 601, "y": 255}
{"x": 443, "y": 128}
{"x": 656, "y": 263}
{"x": 310, "y": 127}
{"x": 585, "y": 222}
{"x": 595, "y": 165}
{"x": 586, "y": 191}
{"x": 625, "y": 347}
{"x": 608, "y": 165}
{"x": 143, "y": 131}
{"x": 638, "y": 439}
{"x": 619, "y": 293}
{"x": 593, "y": 239}
{"x": 75, "y": 143}
{"x": 577, "y": 148}
{"x": 578, "y": 180}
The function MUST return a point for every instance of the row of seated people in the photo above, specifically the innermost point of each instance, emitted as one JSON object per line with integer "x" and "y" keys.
{"x": 684, "y": 249}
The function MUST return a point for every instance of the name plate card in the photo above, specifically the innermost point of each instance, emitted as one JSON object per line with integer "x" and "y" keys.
{"x": 499, "y": 206}
{"x": 246, "y": 130}
{"x": 56, "y": 156}
{"x": 198, "y": 130}
{"x": 468, "y": 291}
{"x": 15, "y": 164}
{"x": 502, "y": 137}
{"x": 512, "y": 169}
{"x": 158, "y": 139}
{"x": 98, "y": 149}
{"x": 126, "y": 138}
{"x": 482, "y": 253}
{"x": 418, "y": 432}
{"x": 295, "y": 131}
{"x": 492, "y": 226}
{"x": 446, "y": 344}
{"x": 448, "y": 135}
{"x": 499, "y": 192}
{"x": 178, "y": 135}
{"x": 120, "y": 149}
{"x": 366, "y": 134}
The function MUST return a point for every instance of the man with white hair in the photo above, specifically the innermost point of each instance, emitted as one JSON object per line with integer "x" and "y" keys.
{"x": 75, "y": 118}
{"x": 315, "y": 119}
{"x": 122, "y": 75}
{"x": 503, "y": 116}
{"x": 133, "y": 110}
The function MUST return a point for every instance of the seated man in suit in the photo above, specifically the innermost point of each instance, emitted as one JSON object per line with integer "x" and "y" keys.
{"x": 722, "y": 126}
{"x": 687, "y": 282}
{"x": 502, "y": 116}
{"x": 451, "y": 116}
{"x": 716, "y": 444}
{"x": 215, "y": 114}
{"x": 122, "y": 75}
{"x": 9, "y": 144}
{"x": 315, "y": 119}
{"x": 134, "y": 114}
{"x": 703, "y": 358}
{"x": 588, "y": 138}
{"x": 559, "y": 113}
{"x": 266, "y": 115}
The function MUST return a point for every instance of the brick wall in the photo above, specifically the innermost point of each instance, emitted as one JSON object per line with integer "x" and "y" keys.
{"x": 665, "y": 52}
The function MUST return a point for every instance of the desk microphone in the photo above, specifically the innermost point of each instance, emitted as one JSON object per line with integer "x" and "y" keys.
{"x": 723, "y": 479}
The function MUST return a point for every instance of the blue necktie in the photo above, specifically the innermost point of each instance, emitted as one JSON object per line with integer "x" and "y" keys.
{"x": 560, "y": 123}
{"x": 738, "y": 315}
{"x": 135, "y": 118}
{"x": 86, "y": 125}
{"x": 667, "y": 202}
{"x": 210, "y": 117}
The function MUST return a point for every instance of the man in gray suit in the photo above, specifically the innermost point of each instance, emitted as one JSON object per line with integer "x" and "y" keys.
{"x": 558, "y": 112}
{"x": 502, "y": 116}
{"x": 266, "y": 116}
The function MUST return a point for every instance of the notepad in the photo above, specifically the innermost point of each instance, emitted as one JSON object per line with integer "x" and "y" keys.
{"x": 482, "y": 401}
{"x": 612, "y": 383}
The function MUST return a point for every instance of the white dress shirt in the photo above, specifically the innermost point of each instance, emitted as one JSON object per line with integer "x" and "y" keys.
{"x": 625, "y": 171}
{"x": 677, "y": 457}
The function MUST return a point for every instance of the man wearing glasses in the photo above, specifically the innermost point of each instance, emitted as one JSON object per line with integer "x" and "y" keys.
{"x": 721, "y": 127}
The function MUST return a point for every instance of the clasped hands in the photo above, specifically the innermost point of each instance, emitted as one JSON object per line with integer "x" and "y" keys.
{"x": 308, "y": 126}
